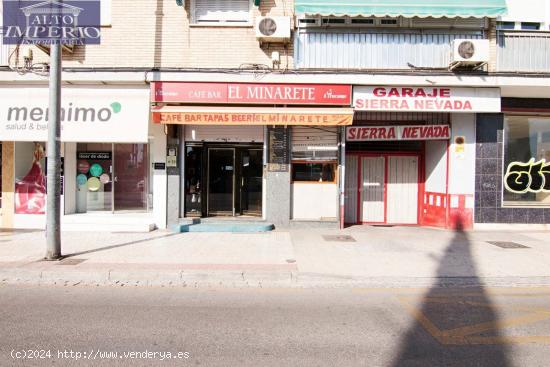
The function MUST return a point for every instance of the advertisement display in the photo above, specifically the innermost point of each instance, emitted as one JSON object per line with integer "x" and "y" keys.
{"x": 234, "y": 93}
{"x": 30, "y": 190}
{"x": 426, "y": 99}
{"x": 98, "y": 114}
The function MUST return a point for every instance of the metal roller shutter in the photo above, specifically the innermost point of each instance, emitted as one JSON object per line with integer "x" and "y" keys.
{"x": 314, "y": 142}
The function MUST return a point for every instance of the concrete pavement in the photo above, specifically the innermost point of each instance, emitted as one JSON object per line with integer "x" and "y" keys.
{"x": 356, "y": 256}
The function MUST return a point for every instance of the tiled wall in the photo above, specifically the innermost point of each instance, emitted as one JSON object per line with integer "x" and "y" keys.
{"x": 489, "y": 173}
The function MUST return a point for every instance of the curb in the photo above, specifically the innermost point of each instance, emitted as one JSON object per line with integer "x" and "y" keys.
{"x": 248, "y": 279}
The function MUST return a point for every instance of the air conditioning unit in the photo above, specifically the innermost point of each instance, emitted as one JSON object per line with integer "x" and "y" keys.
{"x": 469, "y": 52}
{"x": 273, "y": 29}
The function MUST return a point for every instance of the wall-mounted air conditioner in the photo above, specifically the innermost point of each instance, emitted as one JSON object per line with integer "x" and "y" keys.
{"x": 469, "y": 52}
{"x": 273, "y": 29}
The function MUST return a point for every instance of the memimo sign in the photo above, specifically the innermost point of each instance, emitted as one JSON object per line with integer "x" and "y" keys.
{"x": 91, "y": 114}
{"x": 426, "y": 99}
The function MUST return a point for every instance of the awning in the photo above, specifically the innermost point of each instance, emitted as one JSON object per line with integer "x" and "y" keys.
{"x": 204, "y": 115}
{"x": 405, "y": 8}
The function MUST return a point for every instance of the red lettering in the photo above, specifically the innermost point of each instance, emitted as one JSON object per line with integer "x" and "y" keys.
{"x": 351, "y": 133}
{"x": 373, "y": 134}
{"x": 445, "y": 93}
{"x": 384, "y": 104}
{"x": 364, "y": 132}
{"x": 382, "y": 133}
{"x": 394, "y": 92}
{"x": 467, "y": 106}
{"x": 420, "y": 93}
{"x": 379, "y": 92}
{"x": 391, "y": 133}
{"x": 407, "y": 92}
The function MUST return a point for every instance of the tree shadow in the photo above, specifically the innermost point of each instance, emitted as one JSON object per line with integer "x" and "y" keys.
{"x": 456, "y": 322}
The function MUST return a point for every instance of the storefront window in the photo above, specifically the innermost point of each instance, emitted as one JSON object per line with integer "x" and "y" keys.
{"x": 30, "y": 178}
{"x": 526, "y": 161}
{"x": 111, "y": 177}
{"x": 314, "y": 172}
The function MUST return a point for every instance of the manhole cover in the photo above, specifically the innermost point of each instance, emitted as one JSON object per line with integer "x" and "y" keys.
{"x": 290, "y": 261}
{"x": 71, "y": 261}
{"x": 504, "y": 244}
{"x": 338, "y": 238}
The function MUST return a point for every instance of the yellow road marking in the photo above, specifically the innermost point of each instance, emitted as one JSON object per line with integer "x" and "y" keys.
{"x": 463, "y": 335}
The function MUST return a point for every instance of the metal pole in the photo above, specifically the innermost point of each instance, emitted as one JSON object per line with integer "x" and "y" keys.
{"x": 53, "y": 208}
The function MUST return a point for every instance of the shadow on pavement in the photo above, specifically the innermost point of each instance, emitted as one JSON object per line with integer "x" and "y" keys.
{"x": 454, "y": 326}
{"x": 106, "y": 248}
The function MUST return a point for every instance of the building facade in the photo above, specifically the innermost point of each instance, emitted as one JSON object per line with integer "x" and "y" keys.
{"x": 295, "y": 113}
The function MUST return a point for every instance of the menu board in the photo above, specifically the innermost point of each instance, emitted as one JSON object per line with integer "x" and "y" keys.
{"x": 278, "y": 149}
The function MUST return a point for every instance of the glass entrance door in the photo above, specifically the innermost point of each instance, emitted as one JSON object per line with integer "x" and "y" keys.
{"x": 251, "y": 181}
{"x": 221, "y": 181}
{"x": 130, "y": 177}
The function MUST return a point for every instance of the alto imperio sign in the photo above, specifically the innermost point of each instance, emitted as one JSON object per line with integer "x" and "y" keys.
{"x": 404, "y": 132}
{"x": 248, "y": 93}
{"x": 47, "y": 22}
{"x": 426, "y": 99}
{"x": 94, "y": 114}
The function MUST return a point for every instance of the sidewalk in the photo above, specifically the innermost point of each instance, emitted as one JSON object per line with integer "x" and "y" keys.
{"x": 360, "y": 256}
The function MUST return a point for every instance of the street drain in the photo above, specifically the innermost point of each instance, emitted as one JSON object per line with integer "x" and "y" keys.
{"x": 507, "y": 245}
{"x": 71, "y": 261}
{"x": 338, "y": 238}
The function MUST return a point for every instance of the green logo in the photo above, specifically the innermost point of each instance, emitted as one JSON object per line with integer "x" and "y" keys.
{"x": 116, "y": 106}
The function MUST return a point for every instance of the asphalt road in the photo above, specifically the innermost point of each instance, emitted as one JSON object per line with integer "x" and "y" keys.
{"x": 73, "y": 326}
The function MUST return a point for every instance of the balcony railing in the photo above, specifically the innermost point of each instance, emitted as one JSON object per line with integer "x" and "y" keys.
{"x": 523, "y": 52}
{"x": 361, "y": 49}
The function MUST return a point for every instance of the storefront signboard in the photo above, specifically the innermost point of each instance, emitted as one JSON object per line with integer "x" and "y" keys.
{"x": 249, "y": 93}
{"x": 298, "y": 117}
{"x": 426, "y": 99}
{"x": 403, "y": 132}
{"x": 92, "y": 114}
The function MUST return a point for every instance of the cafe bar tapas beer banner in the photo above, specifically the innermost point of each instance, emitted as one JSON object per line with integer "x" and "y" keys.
{"x": 426, "y": 99}
{"x": 251, "y": 93}
{"x": 404, "y": 132}
{"x": 187, "y": 115}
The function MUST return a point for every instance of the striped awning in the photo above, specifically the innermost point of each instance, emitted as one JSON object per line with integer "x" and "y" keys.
{"x": 405, "y": 8}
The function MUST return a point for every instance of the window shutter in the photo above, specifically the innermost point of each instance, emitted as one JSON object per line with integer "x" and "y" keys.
{"x": 314, "y": 143}
{"x": 222, "y": 10}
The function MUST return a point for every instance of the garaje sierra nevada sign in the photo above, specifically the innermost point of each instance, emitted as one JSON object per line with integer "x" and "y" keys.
{"x": 426, "y": 99}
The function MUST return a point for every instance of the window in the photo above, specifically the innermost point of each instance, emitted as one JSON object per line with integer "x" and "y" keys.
{"x": 221, "y": 11}
{"x": 506, "y": 25}
{"x": 530, "y": 26}
{"x": 526, "y": 161}
{"x": 323, "y": 172}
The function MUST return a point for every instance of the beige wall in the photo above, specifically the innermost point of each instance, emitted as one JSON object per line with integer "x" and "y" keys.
{"x": 157, "y": 33}
{"x": 8, "y": 185}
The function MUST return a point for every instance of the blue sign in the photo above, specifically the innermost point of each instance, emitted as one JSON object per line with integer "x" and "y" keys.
{"x": 47, "y": 22}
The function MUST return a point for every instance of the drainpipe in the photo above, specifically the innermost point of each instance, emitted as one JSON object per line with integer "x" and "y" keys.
{"x": 342, "y": 176}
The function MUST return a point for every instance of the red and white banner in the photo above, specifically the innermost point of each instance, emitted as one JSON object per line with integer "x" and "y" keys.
{"x": 404, "y": 132}
{"x": 426, "y": 99}
{"x": 247, "y": 93}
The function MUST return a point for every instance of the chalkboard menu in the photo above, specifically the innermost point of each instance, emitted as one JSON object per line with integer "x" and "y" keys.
{"x": 278, "y": 149}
